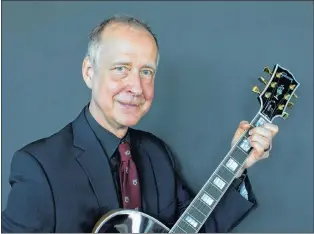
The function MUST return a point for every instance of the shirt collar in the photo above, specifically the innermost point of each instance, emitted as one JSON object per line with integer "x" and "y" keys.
{"x": 108, "y": 141}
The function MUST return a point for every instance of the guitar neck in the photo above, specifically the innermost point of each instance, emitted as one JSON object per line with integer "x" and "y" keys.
{"x": 208, "y": 197}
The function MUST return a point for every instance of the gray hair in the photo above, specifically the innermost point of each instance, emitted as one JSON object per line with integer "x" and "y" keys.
{"x": 94, "y": 42}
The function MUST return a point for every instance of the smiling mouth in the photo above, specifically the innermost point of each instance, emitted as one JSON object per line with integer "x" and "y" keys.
{"x": 129, "y": 105}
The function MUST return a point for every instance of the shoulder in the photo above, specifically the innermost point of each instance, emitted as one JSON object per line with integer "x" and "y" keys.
{"x": 57, "y": 141}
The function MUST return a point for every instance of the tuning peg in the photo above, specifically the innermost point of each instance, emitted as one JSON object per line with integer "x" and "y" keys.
{"x": 280, "y": 107}
{"x": 278, "y": 75}
{"x": 273, "y": 84}
{"x": 290, "y": 104}
{"x": 292, "y": 87}
{"x": 261, "y": 79}
{"x": 268, "y": 94}
{"x": 286, "y": 96}
{"x": 285, "y": 115}
{"x": 256, "y": 90}
{"x": 267, "y": 70}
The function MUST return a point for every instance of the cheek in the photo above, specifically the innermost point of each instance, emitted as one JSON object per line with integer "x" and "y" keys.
{"x": 107, "y": 88}
{"x": 148, "y": 91}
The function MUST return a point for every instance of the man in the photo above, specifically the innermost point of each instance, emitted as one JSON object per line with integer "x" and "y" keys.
{"x": 67, "y": 181}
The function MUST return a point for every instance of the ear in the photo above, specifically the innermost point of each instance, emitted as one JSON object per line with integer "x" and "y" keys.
{"x": 87, "y": 71}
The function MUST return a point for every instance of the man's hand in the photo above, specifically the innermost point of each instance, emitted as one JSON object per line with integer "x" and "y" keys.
{"x": 261, "y": 140}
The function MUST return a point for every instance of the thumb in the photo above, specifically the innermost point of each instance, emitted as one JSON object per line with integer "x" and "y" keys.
{"x": 243, "y": 126}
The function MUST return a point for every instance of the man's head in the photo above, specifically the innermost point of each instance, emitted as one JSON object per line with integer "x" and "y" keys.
{"x": 120, "y": 69}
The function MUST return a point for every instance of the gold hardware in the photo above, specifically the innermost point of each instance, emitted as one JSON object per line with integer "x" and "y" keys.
{"x": 256, "y": 90}
{"x": 267, "y": 70}
{"x": 261, "y": 79}
{"x": 291, "y": 87}
{"x": 273, "y": 84}
{"x": 278, "y": 75}
{"x": 285, "y": 115}
{"x": 287, "y": 96}
{"x": 267, "y": 95}
{"x": 290, "y": 104}
{"x": 281, "y": 107}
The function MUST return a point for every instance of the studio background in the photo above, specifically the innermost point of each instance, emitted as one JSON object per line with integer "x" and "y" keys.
{"x": 211, "y": 55}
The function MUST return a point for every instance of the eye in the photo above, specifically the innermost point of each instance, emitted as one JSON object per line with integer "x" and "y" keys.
{"x": 121, "y": 69}
{"x": 147, "y": 72}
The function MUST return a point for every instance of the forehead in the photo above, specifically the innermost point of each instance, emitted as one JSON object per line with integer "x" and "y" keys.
{"x": 132, "y": 42}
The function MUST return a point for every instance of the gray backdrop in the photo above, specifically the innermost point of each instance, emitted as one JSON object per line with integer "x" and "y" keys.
{"x": 211, "y": 56}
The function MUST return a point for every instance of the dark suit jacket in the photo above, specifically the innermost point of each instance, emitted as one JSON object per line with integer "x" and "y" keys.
{"x": 63, "y": 183}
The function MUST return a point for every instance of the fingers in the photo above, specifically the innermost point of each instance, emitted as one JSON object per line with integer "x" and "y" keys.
{"x": 244, "y": 125}
{"x": 260, "y": 139}
{"x": 271, "y": 127}
{"x": 258, "y": 150}
{"x": 263, "y": 131}
{"x": 264, "y": 142}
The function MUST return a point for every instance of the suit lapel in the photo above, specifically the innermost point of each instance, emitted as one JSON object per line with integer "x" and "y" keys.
{"x": 95, "y": 164}
{"x": 147, "y": 177}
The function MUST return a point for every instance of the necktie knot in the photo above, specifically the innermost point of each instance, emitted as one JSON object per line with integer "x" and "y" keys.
{"x": 125, "y": 151}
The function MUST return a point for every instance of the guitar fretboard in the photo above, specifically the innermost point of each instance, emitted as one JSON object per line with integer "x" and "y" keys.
{"x": 208, "y": 197}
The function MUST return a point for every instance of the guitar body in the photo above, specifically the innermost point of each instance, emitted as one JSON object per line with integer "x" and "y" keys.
{"x": 129, "y": 221}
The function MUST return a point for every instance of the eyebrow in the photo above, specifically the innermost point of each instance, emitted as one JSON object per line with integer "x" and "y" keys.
{"x": 149, "y": 66}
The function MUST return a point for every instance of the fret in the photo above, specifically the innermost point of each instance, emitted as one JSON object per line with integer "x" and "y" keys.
{"x": 225, "y": 174}
{"x": 242, "y": 149}
{"x": 213, "y": 191}
{"x": 192, "y": 205}
{"x": 197, "y": 215}
{"x": 201, "y": 203}
{"x": 183, "y": 224}
{"x": 238, "y": 155}
{"x": 192, "y": 221}
{"x": 219, "y": 182}
{"x": 231, "y": 163}
{"x": 246, "y": 135}
{"x": 177, "y": 229}
{"x": 259, "y": 120}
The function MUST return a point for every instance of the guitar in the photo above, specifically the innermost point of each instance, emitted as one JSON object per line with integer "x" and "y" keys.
{"x": 274, "y": 100}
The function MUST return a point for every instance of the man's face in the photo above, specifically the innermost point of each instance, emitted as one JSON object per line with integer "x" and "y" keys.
{"x": 123, "y": 82}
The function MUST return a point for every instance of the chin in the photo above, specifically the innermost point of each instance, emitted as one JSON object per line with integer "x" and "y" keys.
{"x": 128, "y": 121}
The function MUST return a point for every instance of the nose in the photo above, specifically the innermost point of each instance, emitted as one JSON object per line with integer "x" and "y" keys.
{"x": 135, "y": 83}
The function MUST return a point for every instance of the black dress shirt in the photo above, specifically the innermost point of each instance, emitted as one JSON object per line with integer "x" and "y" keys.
{"x": 109, "y": 143}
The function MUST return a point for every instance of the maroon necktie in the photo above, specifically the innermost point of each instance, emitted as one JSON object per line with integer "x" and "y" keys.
{"x": 129, "y": 182}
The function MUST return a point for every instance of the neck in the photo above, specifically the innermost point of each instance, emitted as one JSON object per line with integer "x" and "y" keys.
{"x": 118, "y": 130}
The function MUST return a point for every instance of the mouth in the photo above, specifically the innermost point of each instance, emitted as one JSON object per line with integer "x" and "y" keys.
{"x": 129, "y": 105}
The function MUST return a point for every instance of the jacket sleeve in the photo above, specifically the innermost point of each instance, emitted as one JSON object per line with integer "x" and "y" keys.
{"x": 30, "y": 206}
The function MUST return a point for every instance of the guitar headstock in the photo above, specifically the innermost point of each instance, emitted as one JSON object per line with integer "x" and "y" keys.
{"x": 279, "y": 89}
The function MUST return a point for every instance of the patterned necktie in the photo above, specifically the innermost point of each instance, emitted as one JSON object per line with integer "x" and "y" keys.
{"x": 129, "y": 182}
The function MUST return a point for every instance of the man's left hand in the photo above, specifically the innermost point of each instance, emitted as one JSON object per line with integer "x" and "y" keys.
{"x": 260, "y": 138}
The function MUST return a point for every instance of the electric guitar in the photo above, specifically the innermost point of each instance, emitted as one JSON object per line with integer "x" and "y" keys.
{"x": 274, "y": 100}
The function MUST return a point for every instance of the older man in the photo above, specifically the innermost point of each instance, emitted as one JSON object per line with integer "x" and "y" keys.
{"x": 97, "y": 163}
